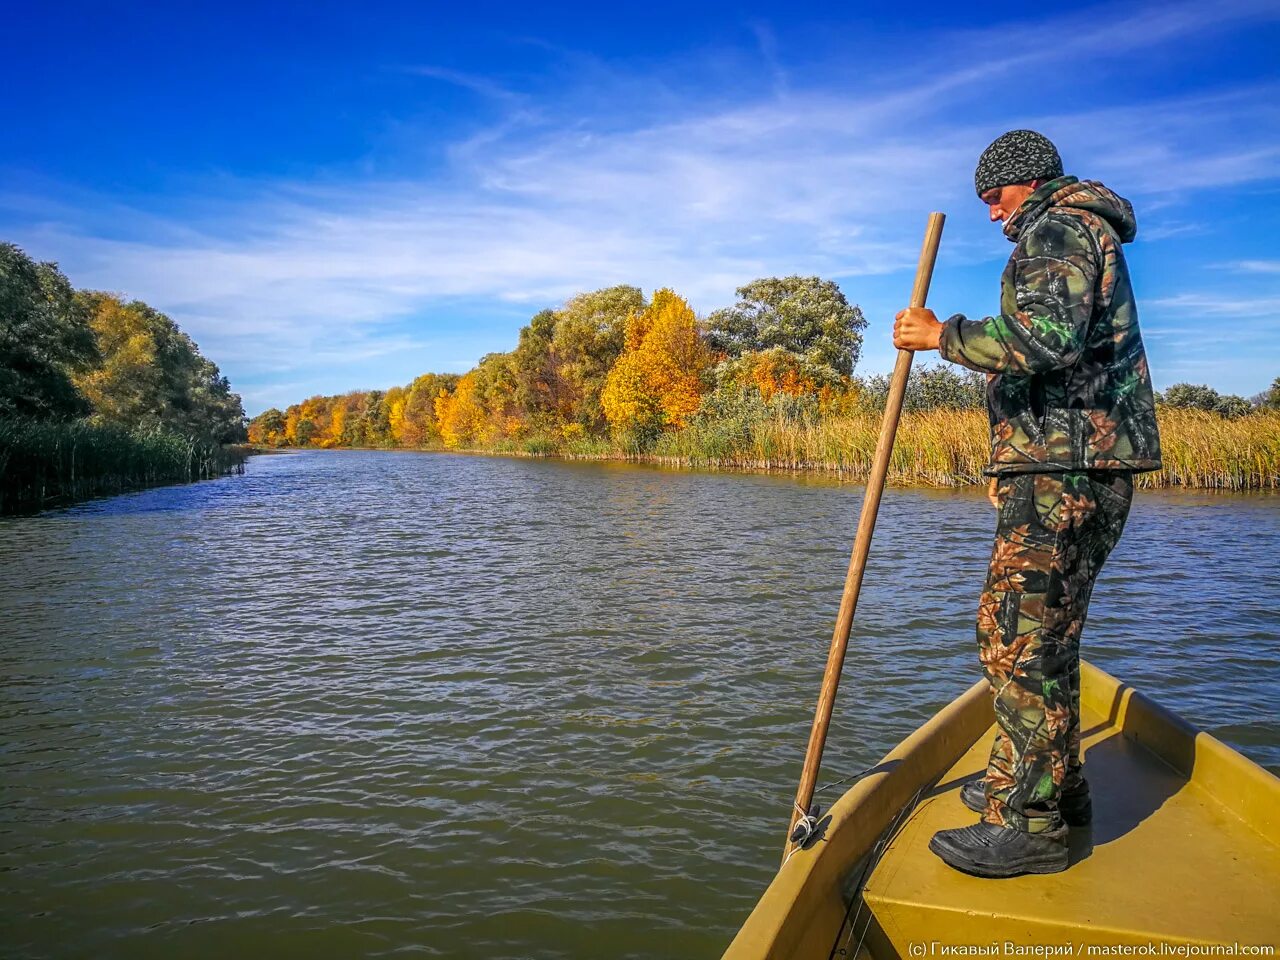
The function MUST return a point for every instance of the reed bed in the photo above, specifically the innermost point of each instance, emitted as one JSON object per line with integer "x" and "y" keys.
{"x": 1203, "y": 449}
{"x": 938, "y": 447}
{"x": 942, "y": 447}
{"x": 949, "y": 448}
{"x": 47, "y": 463}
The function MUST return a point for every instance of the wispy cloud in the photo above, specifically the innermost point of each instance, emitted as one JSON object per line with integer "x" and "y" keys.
{"x": 1255, "y": 266}
{"x": 767, "y": 41}
{"x": 805, "y": 177}
{"x": 1265, "y": 308}
{"x": 481, "y": 85}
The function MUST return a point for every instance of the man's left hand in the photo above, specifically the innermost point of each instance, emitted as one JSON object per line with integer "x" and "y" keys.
{"x": 916, "y": 328}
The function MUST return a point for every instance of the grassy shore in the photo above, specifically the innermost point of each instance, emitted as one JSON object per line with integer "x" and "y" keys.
{"x": 45, "y": 464}
{"x": 935, "y": 448}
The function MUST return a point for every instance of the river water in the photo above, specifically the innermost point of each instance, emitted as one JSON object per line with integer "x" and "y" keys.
{"x": 372, "y": 704}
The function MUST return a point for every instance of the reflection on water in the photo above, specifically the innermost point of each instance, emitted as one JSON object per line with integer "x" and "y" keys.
{"x": 355, "y": 704}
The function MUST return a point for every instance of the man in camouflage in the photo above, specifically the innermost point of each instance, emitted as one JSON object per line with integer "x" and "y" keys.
{"x": 1072, "y": 419}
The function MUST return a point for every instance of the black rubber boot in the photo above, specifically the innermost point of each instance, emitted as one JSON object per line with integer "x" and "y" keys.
{"x": 985, "y": 850}
{"x": 1075, "y": 804}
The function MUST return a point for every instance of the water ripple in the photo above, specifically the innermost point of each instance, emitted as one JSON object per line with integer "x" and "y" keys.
{"x": 363, "y": 704}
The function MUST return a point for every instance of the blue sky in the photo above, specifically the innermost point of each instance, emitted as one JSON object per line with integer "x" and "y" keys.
{"x": 339, "y": 196}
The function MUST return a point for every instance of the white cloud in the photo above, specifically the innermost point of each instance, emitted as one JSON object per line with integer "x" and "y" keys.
{"x": 541, "y": 204}
{"x": 1256, "y": 308}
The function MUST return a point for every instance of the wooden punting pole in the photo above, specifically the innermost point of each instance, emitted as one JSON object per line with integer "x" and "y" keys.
{"x": 862, "y": 541}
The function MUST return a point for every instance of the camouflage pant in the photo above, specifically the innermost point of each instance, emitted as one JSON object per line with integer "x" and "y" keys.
{"x": 1054, "y": 532}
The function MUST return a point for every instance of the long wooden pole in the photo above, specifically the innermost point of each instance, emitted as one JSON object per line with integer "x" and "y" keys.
{"x": 862, "y": 541}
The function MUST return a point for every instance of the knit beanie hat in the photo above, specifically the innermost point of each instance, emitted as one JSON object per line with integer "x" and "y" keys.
{"x": 1016, "y": 157}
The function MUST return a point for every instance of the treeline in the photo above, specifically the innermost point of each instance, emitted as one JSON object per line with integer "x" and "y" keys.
{"x": 612, "y": 368}
{"x": 99, "y": 394}
{"x": 768, "y": 382}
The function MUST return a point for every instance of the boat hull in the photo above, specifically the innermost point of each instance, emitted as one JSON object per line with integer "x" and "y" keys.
{"x": 1174, "y": 809}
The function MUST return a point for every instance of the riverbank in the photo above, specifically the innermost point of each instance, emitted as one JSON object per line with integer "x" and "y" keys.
{"x": 50, "y": 464}
{"x": 939, "y": 448}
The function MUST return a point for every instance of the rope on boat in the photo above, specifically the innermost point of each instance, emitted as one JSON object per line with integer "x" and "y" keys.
{"x": 849, "y": 779}
{"x": 806, "y": 826}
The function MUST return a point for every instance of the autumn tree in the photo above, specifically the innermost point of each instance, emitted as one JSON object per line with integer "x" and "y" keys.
{"x": 801, "y": 324}
{"x": 658, "y": 380}
{"x": 419, "y": 427}
{"x": 460, "y": 413}
{"x": 588, "y": 338}
{"x": 127, "y": 386}
{"x": 151, "y": 374}
{"x": 772, "y": 371}
{"x": 267, "y": 429}
{"x": 393, "y": 403}
{"x": 344, "y": 427}
{"x": 304, "y": 423}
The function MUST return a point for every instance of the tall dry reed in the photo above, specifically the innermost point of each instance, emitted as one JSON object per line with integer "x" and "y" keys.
{"x": 950, "y": 447}
{"x": 1202, "y": 449}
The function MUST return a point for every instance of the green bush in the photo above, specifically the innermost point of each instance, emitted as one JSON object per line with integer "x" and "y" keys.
{"x": 931, "y": 388}
{"x": 1193, "y": 396}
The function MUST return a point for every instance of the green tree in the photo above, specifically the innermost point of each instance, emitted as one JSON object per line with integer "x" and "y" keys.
{"x": 539, "y": 389}
{"x": 45, "y": 339}
{"x": 564, "y": 356}
{"x": 496, "y": 387}
{"x": 1195, "y": 396}
{"x": 806, "y": 316}
{"x": 374, "y": 423}
{"x": 1191, "y": 396}
{"x": 306, "y": 431}
{"x": 586, "y": 341}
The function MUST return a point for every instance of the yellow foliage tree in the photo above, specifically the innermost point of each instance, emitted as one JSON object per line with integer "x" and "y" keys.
{"x": 291, "y": 418}
{"x": 658, "y": 381}
{"x": 125, "y": 386}
{"x": 337, "y": 424}
{"x": 394, "y": 401}
{"x": 460, "y": 415}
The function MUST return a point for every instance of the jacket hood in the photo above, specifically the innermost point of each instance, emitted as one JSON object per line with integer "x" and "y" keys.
{"x": 1084, "y": 194}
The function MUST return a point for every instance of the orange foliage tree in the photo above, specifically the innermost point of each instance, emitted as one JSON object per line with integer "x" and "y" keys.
{"x": 775, "y": 371}
{"x": 659, "y": 379}
{"x": 267, "y": 429}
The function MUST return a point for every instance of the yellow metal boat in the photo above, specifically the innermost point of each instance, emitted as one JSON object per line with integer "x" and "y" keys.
{"x": 1182, "y": 859}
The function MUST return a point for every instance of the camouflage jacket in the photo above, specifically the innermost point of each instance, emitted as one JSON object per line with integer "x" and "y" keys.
{"x": 1069, "y": 388}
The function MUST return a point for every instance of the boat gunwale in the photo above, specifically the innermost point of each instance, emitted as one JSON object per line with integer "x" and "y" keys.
{"x": 858, "y": 819}
{"x": 862, "y": 815}
{"x": 1234, "y": 781}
